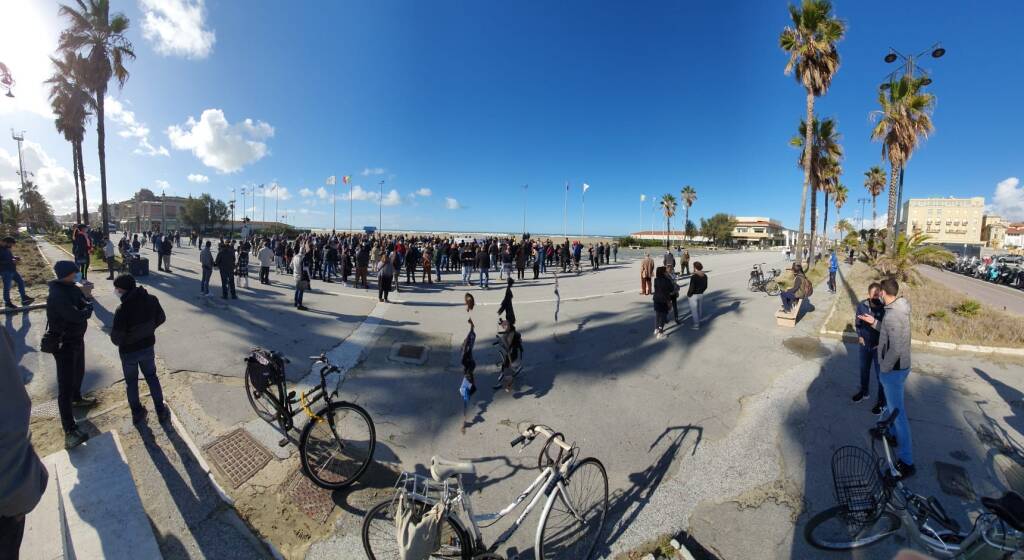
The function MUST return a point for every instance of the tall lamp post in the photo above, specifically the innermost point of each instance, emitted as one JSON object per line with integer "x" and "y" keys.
{"x": 862, "y": 202}
{"x": 231, "y": 205}
{"x": 380, "y": 207}
{"x": 163, "y": 211}
{"x": 19, "y": 138}
{"x": 909, "y": 68}
{"x": 263, "y": 195}
{"x": 525, "y": 188}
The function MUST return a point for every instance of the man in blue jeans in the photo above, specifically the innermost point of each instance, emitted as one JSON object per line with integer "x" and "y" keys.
{"x": 894, "y": 365}
{"x": 867, "y": 341}
{"x": 9, "y": 273}
{"x": 133, "y": 332}
{"x": 833, "y": 267}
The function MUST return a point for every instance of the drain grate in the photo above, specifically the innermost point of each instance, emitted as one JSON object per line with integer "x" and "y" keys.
{"x": 237, "y": 456}
{"x": 314, "y": 501}
{"x": 47, "y": 409}
{"x": 411, "y": 352}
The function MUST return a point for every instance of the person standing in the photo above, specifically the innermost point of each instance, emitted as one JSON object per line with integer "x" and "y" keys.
{"x": 669, "y": 261}
{"x": 225, "y": 263}
{"x": 615, "y": 251}
{"x": 695, "y": 293}
{"x": 894, "y": 365}
{"x": 867, "y": 342}
{"x": 81, "y": 248}
{"x": 385, "y": 273}
{"x": 300, "y": 267}
{"x": 108, "y": 255}
{"x": 646, "y": 274}
{"x": 833, "y": 267}
{"x": 663, "y": 286}
{"x": 133, "y": 331}
{"x": 483, "y": 265}
{"x": 68, "y": 309}
{"x": 266, "y": 257}
{"x": 242, "y": 268}
{"x": 9, "y": 273}
{"x": 684, "y": 262}
{"x": 206, "y": 263}
{"x": 165, "y": 252}
{"x": 23, "y": 476}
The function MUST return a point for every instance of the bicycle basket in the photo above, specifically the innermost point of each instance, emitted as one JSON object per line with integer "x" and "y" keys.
{"x": 858, "y": 484}
{"x": 264, "y": 368}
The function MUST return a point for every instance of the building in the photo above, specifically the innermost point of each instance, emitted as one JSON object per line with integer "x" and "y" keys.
{"x": 1014, "y": 236}
{"x": 675, "y": 236}
{"x": 163, "y": 214}
{"x": 993, "y": 230}
{"x": 757, "y": 230}
{"x": 945, "y": 220}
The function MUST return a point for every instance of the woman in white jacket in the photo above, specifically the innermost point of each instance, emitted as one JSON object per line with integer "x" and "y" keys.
{"x": 300, "y": 268}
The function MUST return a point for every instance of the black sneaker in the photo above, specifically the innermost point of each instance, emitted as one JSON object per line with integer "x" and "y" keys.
{"x": 84, "y": 403}
{"x": 27, "y": 300}
{"x": 906, "y": 471}
{"x": 878, "y": 408}
{"x": 10, "y": 305}
{"x": 859, "y": 396}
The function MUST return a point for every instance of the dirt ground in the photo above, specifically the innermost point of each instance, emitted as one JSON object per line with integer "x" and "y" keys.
{"x": 33, "y": 267}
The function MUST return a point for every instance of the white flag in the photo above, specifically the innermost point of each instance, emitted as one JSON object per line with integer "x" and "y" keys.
{"x": 585, "y": 187}
{"x": 643, "y": 197}
{"x": 332, "y": 180}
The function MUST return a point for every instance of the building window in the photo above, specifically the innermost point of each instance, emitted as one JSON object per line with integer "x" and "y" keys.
{"x": 741, "y": 230}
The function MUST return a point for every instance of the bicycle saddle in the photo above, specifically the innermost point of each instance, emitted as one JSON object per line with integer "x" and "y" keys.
{"x": 1009, "y": 508}
{"x": 442, "y": 469}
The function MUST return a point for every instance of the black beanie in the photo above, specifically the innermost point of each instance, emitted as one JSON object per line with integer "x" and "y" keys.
{"x": 125, "y": 282}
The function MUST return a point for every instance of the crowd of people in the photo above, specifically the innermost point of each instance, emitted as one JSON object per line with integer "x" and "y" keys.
{"x": 662, "y": 285}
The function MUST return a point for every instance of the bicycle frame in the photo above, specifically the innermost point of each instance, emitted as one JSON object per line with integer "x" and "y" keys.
{"x": 286, "y": 413}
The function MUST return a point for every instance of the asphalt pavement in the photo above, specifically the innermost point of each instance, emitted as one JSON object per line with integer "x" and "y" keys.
{"x": 996, "y": 296}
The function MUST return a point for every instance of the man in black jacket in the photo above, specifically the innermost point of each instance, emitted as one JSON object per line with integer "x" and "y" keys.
{"x": 165, "y": 253}
{"x": 67, "y": 314}
{"x": 133, "y": 332}
{"x": 225, "y": 263}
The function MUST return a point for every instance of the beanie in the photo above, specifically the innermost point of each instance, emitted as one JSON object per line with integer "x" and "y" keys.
{"x": 63, "y": 268}
{"x": 125, "y": 282}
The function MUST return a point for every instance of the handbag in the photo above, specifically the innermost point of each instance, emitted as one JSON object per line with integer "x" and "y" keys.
{"x": 50, "y": 343}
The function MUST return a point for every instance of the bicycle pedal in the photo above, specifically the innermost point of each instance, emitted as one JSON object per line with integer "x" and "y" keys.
{"x": 291, "y": 397}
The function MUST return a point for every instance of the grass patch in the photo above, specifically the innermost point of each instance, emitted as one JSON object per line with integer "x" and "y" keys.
{"x": 816, "y": 275}
{"x": 660, "y": 548}
{"x": 937, "y": 313}
{"x": 96, "y": 262}
{"x": 32, "y": 267}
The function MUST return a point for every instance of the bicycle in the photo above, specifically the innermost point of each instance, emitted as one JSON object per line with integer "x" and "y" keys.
{"x": 570, "y": 524}
{"x": 760, "y": 282}
{"x": 874, "y": 503}
{"x": 337, "y": 442}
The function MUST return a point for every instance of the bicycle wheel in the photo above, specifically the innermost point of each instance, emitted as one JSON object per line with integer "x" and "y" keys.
{"x": 381, "y": 543}
{"x": 772, "y": 288}
{"x": 829, "y": 530}
{"x": 337, "y": 448}
{"x": 751, "y": 284}
{"x": 261, "y": 403}
{"x": 572, "y": 521}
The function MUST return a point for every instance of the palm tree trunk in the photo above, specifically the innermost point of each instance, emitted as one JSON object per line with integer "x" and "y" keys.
{"x": 890, "y": 222}
{"x": 686, "y": 222}
{"x": 874, "y": 214}
{"x": 811, "y": 257}
{"x": 74, "y": 171}
{"x": 824, "y": 226}
{"x": 101, "y": 136}
{"x": 81, "y": 176}
{"x": 807, "y": 173}
{"x": 668, "y": 231}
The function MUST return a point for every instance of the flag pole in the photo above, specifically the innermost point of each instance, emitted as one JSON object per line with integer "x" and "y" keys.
{"x": 334, "y": 213}
{"x": 565, "y": 207}
{"x": 350, "y": 205}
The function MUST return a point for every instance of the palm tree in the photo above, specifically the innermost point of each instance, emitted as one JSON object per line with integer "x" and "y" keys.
{"x": 101, "y": 38}
{"x": 904, "y": 119}
{"x": 71, "y": 103}
{"x": 813, "y": 60}
{"x": 902, "y": 260}
{"x": 824, "y": 165}
{"x": 668, "y": 208}
{"x": 874, "y": 182}
{"x": 839, "y": 199}
{"x": 688, "y": 196}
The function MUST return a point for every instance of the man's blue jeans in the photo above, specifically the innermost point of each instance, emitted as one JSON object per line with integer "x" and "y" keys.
{"x": 485, "y": 277}
{"x": 8, "y": 276}
{"x": 467, "y": 273}
{"x": 869, "y": 358}
{"x": 893, "y": 382}
{"x": 144, "y": 360}
{"x": 204, "y": 284}
{"x": 543, "y": 262}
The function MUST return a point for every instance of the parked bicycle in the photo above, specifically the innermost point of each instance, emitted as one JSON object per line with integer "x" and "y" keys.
{"x": 874, "y": 503}
{"x": 570, "y": 525}
{"x": 337, "y": 441}
{"x": 761, "y": 281}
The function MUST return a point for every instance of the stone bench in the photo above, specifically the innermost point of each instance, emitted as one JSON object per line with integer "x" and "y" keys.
{"x": 784, "y": 319}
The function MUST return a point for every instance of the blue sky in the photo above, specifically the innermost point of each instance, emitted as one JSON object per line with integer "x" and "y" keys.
{"x": 470, "y": 100}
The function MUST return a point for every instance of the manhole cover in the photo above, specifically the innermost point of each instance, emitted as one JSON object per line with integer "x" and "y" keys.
{"x": 409, "y": 353}
{"x": 314, "y": 501}
{"x": 47, "y": 409}
{"x": 237, "y": 456}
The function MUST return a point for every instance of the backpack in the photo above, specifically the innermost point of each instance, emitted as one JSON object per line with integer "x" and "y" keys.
{"x": 806, "y": 288}
{"x": 264, "y": 368}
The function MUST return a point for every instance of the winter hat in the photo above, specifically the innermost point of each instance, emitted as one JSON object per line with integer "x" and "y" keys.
{"x": 125, "y": 282}
{"x": 63, "y": 268}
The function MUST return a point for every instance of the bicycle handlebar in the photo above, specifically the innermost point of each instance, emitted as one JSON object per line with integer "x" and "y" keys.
{"x": 533, "y": 431}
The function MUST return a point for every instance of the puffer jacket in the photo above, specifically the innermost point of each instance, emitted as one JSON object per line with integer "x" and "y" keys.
{"x": 67, "y": 311}
{"x": 136, "y": 320}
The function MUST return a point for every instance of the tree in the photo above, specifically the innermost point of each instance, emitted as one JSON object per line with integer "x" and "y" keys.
{"x": 144, "y": 195}
{"x": 668, "y": 209}
{"x": 71, "y": 103}
{"x": 718, "y": 228}
{"x": 904, "y": 119}
{"x": 101, "y": 36}
{"x": 10, "y": 212}
{"x": 688, "y": 196}
{"x": 902, "y": 260}
{"x": 839, "y": 199}
{"x": 813, "y": 61}
{"x": 826, "y": 154}
{"x": 874, "y": 182}
{"x": 691, "y": 229}
{"x": 204, "y": 212}
{"x": 35, "y": 211}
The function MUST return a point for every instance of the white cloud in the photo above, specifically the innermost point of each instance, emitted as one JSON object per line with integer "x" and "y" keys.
{"x": 55, "y": 183}
{"x": 1008, "y": 199}
{"x": 281, "y": 193}
{"x": 177, "y": 27}
{"x": 304, "y": 192}
{"x": 198, "y": 178}
{"x": 359, "y": 193}
{"x": 373, "y": 171}
{"x": 219, "y": 144}
{"x": 322, "y": 193}
{"x": 392, "y": 198}
{"x": 132, "y": 128}
{"x": 160, "y": 184}
{"x": 423, "y": 192}
{"x": 451, "y": 204}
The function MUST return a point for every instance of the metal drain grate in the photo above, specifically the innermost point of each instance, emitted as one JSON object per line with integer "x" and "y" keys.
{"x": 47, "y": 409}
{"x": 314, "y": 501}
{"x": 411, "y": 352}
{"x": 237, "y": 456}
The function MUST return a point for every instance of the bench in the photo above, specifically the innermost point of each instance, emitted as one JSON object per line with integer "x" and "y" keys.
{"x": 784, "y": 319}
